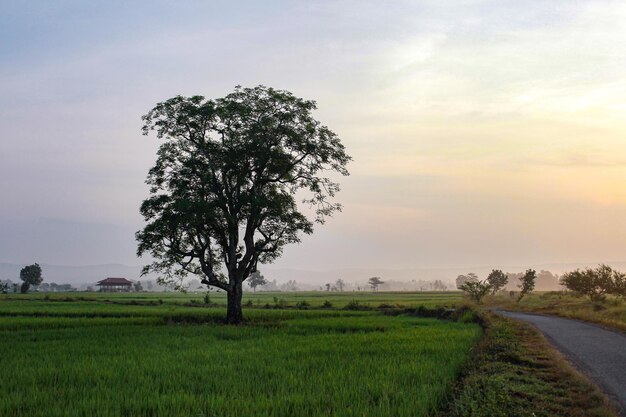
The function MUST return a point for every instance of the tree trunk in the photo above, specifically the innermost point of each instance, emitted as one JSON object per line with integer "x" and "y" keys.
{"x": 234, "y": 314}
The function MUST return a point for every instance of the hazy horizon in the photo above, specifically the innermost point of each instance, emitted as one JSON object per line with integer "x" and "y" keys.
{"x": 488, "y": 133}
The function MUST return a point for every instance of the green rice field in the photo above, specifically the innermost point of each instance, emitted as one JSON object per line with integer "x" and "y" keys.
{"x": 170, "y": 355}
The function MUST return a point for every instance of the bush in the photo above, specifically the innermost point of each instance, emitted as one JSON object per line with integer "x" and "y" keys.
{"x": 327, "y": 304}
{"x": 476, "y": 290}
{"x": 468, "y": 316}
{"x": 354, "y": 305}
{"x": 280, "y": 302}
{"x": 596, "y": 283}
{"x": 302, "y": 305}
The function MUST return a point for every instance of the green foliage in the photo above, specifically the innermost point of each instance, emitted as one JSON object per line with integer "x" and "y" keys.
{"x": 283, "y": 362}
{"x": 497, "y": 280}
{"x": 327, "y": 304}
{"x": 354, "y": 305}
{"x": 31, "y": 275}
{"x": 468, "y": 316}
{"x": 280, "y": 302}
{"x": 476, "y": 290}
{"x": 256, "y": 279}
{"x": 527, "y": 283}
{"x": 303, "y": 305}
{"x": 223, "y": 188}
{"x": 596, "y": 283}
{"x": 514, "y": 373}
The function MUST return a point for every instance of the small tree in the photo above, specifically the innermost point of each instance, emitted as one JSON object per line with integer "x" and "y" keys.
{"x": 340, "y": 284}
{"x": 4, "y": 287}
{"x": 137, "y": 286}
{"x": 527, "y": 283}
{"x": 595, "y": 283}
{"x": 476, "y": 290}
{"x": 31, "y": 275}
{"x": 619, "y": 288}
{"x": 497, "y": 280}
{"x": 462, "y": 279}
{"x": 255, "y": 280}
{"x": 374, "y": 282}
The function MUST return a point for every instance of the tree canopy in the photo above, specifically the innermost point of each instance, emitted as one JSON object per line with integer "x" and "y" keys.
{"x": 223, "y": 188}
{"x": 374, "y": 282}
{"x": 596, "y": 283}
{"x": 527, "y": 283}
{"x": 497, "y": 280}
{"x": 30, "y": 275}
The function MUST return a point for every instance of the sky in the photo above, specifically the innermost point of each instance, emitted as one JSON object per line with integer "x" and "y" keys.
{"x": 482, "y": 132}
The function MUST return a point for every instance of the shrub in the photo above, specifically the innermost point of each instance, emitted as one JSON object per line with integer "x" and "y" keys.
{"x": 595, "y": 283}
{"x": 476, "y": 290}
{"x": 354, "y": 305}
{"x": 302, "y": 305}
{"x": 327, "y": 304}
{"x": 280, "y": 302}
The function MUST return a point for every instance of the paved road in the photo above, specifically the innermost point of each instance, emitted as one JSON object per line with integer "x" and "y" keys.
{"x": 598, "y": 352}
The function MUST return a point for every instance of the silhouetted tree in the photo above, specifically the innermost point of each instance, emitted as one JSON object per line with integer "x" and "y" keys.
{"x": 374, "y": 282}
{"x": 137, "y": 286}
{"x": 255, "y": 280}
{"x": 327, "y": 286}
{"x": 527, "y": 283}
{"x": 31, "y": 275}
{"x": 4, "y": 287}
{"x": 462, "y": 279}
{"x": 497, "y": 280}
{"x": 595, "y": 283}
{"x": 340, "y": 284}
{"x": 224, "y": 184}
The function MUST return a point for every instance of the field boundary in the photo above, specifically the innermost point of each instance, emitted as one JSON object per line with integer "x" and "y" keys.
{"x": 515, "y": 372}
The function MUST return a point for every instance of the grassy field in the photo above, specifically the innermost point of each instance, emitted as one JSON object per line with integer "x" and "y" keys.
{"x": 169, "y": 355}
{"x": 262, "y": 299}
{"x": 611, "y": 312}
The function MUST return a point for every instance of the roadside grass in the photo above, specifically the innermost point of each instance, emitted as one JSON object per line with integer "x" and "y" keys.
{"x": 97, "y": 358}
{"x": 516, "y": 373}
{"x": 611, "y": 312}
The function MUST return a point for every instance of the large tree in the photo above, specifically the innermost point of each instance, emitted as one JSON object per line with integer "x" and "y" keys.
{"x": 223, "y": 189}
{"x": 30, "y": 275}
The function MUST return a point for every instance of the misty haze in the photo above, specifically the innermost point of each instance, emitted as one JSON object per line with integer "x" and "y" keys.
{"x": 313, "y": 208}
